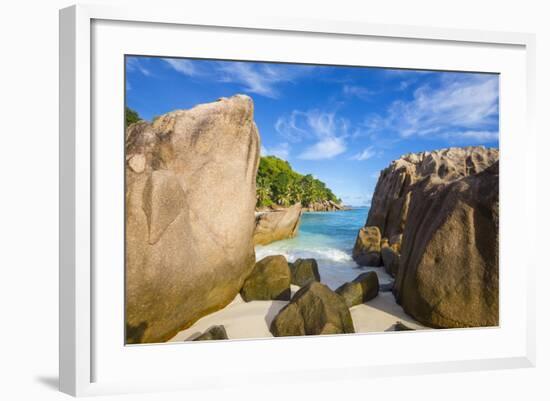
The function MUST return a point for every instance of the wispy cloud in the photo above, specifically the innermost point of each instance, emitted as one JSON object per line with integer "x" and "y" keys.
{"x": 360, "y": 92}
{"x": 282, "y": 151}
{"x": 472, "y": 135}
{"x": 328, "y": 131}
{"x": 256, "y": 78}
{"x": 366, "y": 154}
{"x": 259, "y": 78}
{"x": 134, "y": 64}
{"x": 457, "y": 105}
{"x": 183, "y": 66}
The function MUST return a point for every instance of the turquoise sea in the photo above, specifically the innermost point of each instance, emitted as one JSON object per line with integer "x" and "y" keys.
{"x": 327, "y": 237}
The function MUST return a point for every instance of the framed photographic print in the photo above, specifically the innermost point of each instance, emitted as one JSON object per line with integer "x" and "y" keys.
{"x": 307, "y": 193}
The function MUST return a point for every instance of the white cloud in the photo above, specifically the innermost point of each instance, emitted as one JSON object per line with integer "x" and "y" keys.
{"x": 183, "y": 66}
{"x": 328, "y": 131}
{"x": 282, "y": 151}
{"x": 366, "y": 154}
{"x": 358, "y": 91}
{"x": 459, "y": 104}
{"x": 326, "y": 148}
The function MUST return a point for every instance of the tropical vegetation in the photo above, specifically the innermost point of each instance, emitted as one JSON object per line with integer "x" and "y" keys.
{"x": 277, "y": 183}
{"x": 131, "y": 116}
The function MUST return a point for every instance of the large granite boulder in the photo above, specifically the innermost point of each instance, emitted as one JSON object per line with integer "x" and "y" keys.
{"x": 213, "y": 333}
{"x": 190, "y": 198}
{"x": 304, "y": 271}
{"x": 392, "y": 196}
{"x": 366, "y": 251}
{"x": 277, "y": 224}
{"x": 314, "y": 309}
{"x": 362, "y": 289}
{"x": 269, "y": 280}
{"x": 449, "y": 274}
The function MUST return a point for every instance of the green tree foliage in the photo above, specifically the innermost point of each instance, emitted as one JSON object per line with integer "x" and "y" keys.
{"x": 131, "y": 116}
{"x": 277, "y": 183}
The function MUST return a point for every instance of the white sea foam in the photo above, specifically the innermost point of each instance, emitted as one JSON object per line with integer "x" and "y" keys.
{"x": 328, "y": 254}
{"x": 336, "y": 266}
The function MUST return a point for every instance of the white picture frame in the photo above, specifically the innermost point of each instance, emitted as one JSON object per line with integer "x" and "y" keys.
{"x": 81, "y": 211}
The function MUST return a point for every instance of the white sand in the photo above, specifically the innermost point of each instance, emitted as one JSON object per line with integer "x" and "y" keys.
{"x": 252, "y": 319}
{"x": 380, "y": 314}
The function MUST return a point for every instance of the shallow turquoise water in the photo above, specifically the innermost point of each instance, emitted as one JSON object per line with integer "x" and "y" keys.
{"x": 329, "y": 238}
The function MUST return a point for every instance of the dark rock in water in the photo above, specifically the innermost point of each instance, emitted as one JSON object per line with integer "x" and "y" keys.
{"x": 400, "y": 326}
{"x": 190, "y": 197}
{"x": 277, "y": 224}
{"x": 304, "y": 271}
{"x": 269, "y": 280}
{"x": 213, "y": 333}
{"x": 449, "y": 274}
{"x": 314, "y": 309}
{"x": 362, "y": 289}
{"x": 366, "y": 251}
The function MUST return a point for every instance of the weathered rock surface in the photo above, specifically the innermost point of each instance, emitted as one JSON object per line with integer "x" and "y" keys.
{"x": 270, "y": 280}
{"x": 213, "y": 333}
{"x": 392, "y": 196}
{"x": 190, "y": 198}
{"x": 449, "y": 274}
{"x": 277, "y": 224}
{"x": 390, "y": 259}
{"x": 304, "y": 271}
{"x": 314, "y": 309}
{"x": 366, "y": 251}
{"x": 362, "y": 289}
{"x": 445, "y": 206}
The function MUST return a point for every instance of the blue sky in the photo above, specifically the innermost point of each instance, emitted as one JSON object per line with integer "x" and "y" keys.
{"x": 341, "y": 124}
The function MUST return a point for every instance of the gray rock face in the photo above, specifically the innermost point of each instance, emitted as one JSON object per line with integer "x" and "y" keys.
{"x": 190, "y": 199}
{"x": 269, "y": 280}
{"x": 314, "y": 309}
{"x": 366, "y": 251}
{"x": 304, "y": 271}
{"x": 277, "y": 224}
{"x": 362, "y": 289}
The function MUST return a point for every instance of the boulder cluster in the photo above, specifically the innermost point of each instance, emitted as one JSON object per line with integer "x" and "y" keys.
{"x": 315, "y": 308}
{"x": 433, "y": 225}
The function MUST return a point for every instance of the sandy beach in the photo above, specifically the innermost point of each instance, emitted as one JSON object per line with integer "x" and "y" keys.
{"x": 252, "y": 319}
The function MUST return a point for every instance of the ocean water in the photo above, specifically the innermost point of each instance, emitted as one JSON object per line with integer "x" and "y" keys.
{"x": 327, "y": 237}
